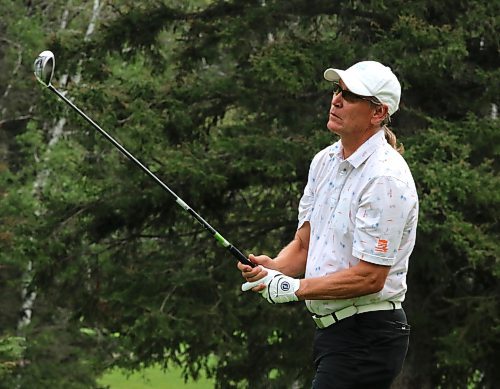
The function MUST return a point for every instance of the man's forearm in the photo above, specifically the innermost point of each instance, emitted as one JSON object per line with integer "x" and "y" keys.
{"x": 360, "y": 280}
{"x": 292, "y": 259}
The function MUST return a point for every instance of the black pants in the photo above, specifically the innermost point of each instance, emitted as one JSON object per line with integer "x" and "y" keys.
{"x": 363, "y": 351}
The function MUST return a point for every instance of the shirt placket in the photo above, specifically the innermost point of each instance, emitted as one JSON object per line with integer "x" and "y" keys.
{"x": 339, "y": 183}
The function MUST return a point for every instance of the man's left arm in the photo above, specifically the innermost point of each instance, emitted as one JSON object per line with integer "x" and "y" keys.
{"x": 359, "y": 280}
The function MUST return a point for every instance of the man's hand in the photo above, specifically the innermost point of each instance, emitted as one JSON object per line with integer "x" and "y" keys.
{"x": 251, "y": 274}
{"x": 275, "y": 287}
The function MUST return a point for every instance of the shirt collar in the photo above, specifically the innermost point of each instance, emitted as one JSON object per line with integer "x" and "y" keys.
{"x": 363, "y": 152}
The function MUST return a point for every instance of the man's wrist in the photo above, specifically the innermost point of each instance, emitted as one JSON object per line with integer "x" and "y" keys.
{"x": 300, "y": 292}
{"x": 277, "y": 264}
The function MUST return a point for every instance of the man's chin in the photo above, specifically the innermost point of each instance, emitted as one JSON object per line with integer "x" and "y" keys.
{"x": 333, "y": 128}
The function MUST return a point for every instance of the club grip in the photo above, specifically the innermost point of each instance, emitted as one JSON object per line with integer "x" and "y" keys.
{"x": 240, "y": 256}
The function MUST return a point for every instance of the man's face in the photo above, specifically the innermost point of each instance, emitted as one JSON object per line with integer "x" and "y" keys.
{"x": 349, "y": 116}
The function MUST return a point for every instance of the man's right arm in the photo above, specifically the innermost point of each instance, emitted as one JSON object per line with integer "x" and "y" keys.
{"x": 292, "y": 260}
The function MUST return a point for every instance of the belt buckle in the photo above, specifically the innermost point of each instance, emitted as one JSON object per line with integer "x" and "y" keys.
{"x": 323, "y": 321}
{"x": 335, "y": 317}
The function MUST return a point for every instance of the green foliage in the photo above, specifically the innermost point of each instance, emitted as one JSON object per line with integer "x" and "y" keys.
{"x": 11, "y": 358}
{"x": 225, "y": 102}
{"x": 456, "y": 274}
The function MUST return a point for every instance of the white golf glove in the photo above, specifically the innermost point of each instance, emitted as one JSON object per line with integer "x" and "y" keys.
{"x": 279, "y": 288}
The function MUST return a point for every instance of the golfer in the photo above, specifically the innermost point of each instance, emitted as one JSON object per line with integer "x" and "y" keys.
{"x": 356, "y": 230}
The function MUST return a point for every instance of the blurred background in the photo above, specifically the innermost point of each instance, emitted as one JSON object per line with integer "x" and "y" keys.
{"x": 225, "y": 101}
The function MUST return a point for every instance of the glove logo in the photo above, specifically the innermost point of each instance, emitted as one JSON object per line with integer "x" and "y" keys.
{"x": 285, "y": 286}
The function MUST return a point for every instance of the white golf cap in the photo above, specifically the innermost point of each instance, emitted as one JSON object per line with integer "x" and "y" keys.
{"x": 370, "y": 78}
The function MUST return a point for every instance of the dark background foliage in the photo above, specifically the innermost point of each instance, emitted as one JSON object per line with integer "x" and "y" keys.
{"x": 225, "y": 101}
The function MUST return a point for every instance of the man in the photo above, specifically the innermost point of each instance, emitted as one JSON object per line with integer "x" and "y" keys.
{"x": 356, "y": 231}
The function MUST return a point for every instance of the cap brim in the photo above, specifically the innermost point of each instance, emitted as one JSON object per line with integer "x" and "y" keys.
{"x": 350, "y": 81}
{"x": 332, "y": 74}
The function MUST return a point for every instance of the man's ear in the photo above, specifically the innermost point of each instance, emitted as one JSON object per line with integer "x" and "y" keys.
{"x": 379, "y": 114}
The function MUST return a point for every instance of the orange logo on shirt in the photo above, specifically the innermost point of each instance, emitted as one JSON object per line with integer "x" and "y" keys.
{"x": 381, "y": 246}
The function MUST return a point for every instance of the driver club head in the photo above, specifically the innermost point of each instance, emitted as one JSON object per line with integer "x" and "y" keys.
{"x": 44, "y": 67}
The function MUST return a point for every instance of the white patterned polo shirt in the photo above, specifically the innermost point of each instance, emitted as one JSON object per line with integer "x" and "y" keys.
{"x": 365, "y": 208}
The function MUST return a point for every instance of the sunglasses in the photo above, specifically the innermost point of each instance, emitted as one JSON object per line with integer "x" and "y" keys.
{"x": 352, "y": 97}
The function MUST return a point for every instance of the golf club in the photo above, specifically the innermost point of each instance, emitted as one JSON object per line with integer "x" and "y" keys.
{"x": 44, "y": 71}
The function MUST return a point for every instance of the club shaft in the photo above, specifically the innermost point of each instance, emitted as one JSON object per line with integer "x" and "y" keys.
{"x": 232, "y": 249}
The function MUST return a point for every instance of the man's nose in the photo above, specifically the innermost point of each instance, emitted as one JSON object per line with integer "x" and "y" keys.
{"x": 337, "y": 100}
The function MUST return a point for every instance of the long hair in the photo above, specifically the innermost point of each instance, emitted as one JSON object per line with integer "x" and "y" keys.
{"x": 392, "y": 140}
{"x": 390, "y": 136}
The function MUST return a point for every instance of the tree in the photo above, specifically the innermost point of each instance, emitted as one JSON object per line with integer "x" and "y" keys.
{"x": 225, "y": 102}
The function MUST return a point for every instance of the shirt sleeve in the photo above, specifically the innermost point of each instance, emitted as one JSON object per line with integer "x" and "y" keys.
{"x": 384, "y": 208}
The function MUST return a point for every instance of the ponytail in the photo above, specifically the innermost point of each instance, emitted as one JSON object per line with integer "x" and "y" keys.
{"x": 392, "y": 140}
{"x": 390, "y": 136}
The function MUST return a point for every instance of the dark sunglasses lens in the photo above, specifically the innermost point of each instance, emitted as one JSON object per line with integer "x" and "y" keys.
{"x": 346, "y": 95}
{"x": 349, "y": 96}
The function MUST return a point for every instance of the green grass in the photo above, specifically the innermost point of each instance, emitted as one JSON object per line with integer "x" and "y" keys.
{"x": 152, "y": 378}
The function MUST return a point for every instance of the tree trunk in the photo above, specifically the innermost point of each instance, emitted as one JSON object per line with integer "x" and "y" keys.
{"x": 56, "y": 133}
